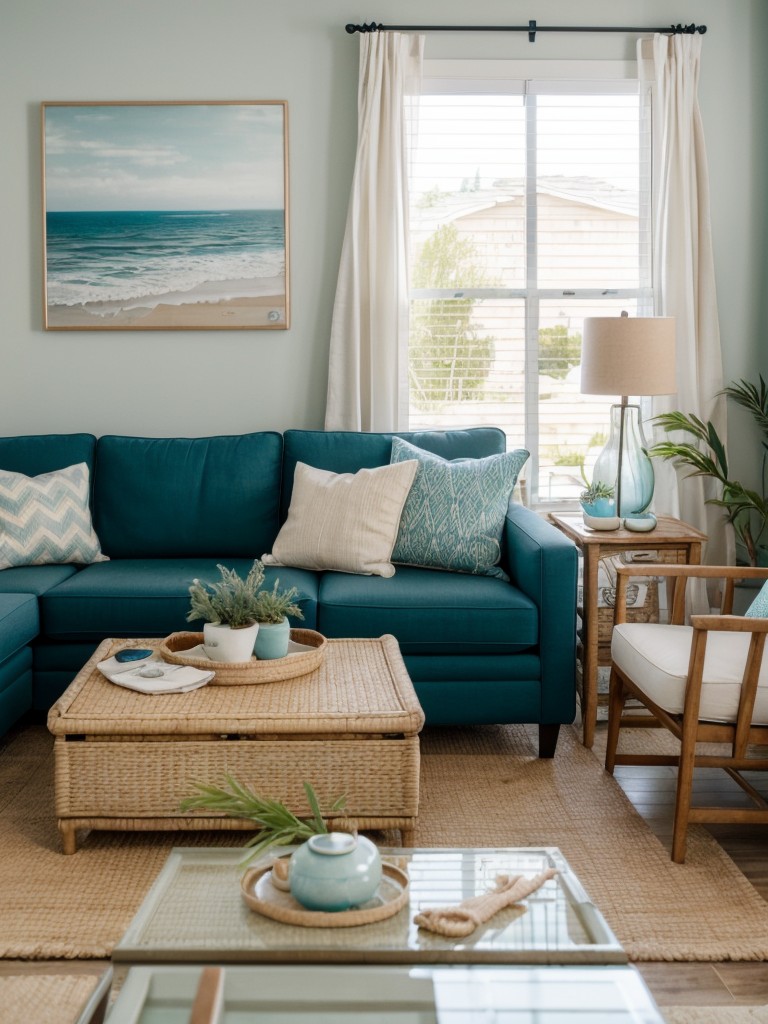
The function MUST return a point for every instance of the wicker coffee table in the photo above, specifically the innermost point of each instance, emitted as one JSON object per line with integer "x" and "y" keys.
{"x": 126, "y": 760}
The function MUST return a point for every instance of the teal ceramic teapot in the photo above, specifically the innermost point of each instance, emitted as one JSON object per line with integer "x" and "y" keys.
{"x": 334, "y": 871}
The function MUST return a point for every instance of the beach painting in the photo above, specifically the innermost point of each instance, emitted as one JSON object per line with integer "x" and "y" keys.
{"x": 165, "y": 216}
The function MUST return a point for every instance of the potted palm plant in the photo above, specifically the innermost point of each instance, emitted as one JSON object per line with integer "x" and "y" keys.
{"x": 271, "y": 609}
{"x": 228, "y": 609}
{"x": 746, "y": 509}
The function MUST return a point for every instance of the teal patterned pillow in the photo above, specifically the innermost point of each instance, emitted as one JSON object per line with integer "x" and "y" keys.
{"x": 454, "y": 514}
{"x": 46, "y": 519}
{"x": 759, "y": 607}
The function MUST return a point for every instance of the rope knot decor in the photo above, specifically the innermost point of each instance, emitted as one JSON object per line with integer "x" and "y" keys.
{"x": 460, "y": 921}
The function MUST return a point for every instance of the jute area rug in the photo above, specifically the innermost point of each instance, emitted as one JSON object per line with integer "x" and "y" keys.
{"x": 481, "y": 786}
{"x": 44, "y": 998}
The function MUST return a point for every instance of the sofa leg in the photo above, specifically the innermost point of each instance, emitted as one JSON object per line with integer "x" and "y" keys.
{"x": 548, "y": 739}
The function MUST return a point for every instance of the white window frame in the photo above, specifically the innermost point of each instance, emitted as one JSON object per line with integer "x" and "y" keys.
{"x": 530, "y": 78}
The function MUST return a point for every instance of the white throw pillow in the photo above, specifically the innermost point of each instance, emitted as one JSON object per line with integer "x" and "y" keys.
{"x": 344, "y": 521}
{"x": 46, "y": 519}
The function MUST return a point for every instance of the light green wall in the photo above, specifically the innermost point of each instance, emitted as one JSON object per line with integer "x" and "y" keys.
{"x": 207, "y": 382}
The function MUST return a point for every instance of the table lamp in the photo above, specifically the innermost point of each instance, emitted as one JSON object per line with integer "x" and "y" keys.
{"x": 623, "y": 355}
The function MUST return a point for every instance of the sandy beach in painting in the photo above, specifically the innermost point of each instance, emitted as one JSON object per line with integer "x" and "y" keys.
{"x": 240, "y": 311}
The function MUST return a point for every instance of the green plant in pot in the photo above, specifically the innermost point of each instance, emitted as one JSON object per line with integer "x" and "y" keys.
{"x": 228, "y": 608}
{"x": 598, "y": 499}
{"x": 746, "y": 509}
{"x": 272, "y": 608}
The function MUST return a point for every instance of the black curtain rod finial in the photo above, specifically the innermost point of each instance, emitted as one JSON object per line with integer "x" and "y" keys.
{"x": 373, "y": 27}
{"x": 687, "y": 30}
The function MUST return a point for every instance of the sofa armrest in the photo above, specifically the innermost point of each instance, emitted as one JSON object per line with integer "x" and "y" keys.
{"x": 543, "y": 563}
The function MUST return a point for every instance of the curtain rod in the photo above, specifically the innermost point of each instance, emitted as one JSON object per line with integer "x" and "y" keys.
{"x": 531, "y": 28}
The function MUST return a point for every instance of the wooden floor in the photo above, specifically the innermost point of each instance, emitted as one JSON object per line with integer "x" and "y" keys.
{"x": 652, "y": 791}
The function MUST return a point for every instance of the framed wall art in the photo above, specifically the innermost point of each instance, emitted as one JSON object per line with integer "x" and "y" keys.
{"x": 165, "y": 216}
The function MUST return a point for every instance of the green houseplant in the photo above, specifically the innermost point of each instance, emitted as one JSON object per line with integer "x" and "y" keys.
{"x": 272, "y": 608}
{"x": 228, "y": 609}
{"x": 277, "y": 826}
{"x": 705, "y": 454}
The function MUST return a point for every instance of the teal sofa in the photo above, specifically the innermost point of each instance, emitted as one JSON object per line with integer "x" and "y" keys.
{"x": 167, "y": 510}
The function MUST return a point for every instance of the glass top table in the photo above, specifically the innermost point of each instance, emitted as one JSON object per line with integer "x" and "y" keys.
{"x": 195, "y": 913}
{"x": 364, "y": 994}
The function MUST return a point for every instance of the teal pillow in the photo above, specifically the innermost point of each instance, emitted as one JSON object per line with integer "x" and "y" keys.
{"x": 759, "y": 607}
{"x": 454, "y": 514}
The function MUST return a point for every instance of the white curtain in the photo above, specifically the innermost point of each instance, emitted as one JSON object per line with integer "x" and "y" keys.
{"x": 368, "y": 372}
{"x": 683, "y": 272}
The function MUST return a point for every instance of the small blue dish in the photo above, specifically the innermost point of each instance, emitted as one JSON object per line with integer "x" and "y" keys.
{"x": 132, "y": 654}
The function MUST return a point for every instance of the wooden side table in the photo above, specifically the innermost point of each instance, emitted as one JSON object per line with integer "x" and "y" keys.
{"x": 675, "y": 541}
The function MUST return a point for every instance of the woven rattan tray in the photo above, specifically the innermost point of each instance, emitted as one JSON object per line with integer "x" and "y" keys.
{"x": 232, "y": 673}
{"x": 261, "y": 895}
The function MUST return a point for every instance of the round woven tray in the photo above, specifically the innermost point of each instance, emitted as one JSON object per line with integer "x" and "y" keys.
{"x": 239, "y": 673}
{"x": 261, "y": 895}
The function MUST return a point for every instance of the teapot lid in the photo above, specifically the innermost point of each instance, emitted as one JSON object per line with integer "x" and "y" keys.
{"x": 333, "y": 843}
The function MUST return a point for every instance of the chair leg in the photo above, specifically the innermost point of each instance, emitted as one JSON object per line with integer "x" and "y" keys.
{"x": 683, "y": 797}
{"x": 616, "y": 700}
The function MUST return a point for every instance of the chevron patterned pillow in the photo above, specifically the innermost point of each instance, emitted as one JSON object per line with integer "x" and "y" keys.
{"x": 46, "y": 519}
{"x": 454, "y": 514}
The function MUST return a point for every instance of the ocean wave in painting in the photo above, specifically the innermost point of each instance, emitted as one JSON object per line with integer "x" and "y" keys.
{"x": 139, "y": 258}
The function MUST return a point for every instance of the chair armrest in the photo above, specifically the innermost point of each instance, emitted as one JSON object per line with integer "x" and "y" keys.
{"x": 543, "y": 563}
{"x": 729, "y": 623}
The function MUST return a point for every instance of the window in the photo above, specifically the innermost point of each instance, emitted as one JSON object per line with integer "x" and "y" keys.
{"x": 530, "y": 200}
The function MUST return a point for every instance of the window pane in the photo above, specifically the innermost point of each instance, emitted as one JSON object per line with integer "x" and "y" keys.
{"x": 467, "y": 364}
{"x": 468, "y": 173}
{"x": 573, "y": 428}
{"x": 587, "y": 191}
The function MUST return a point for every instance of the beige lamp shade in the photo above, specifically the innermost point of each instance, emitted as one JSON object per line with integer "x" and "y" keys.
{"x": 622, "y": 355}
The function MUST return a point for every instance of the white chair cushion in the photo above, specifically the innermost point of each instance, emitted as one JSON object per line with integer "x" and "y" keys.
{"x": 655, "y": 657}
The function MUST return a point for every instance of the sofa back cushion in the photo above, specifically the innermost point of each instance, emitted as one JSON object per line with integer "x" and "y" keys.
{"x": 34, "y": 454}
{"x": 342, "y": 451}
{"x": 187, "y": 497}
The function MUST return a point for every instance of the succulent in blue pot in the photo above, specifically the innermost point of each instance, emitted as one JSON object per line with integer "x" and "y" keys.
{"x": 598, "y": 500}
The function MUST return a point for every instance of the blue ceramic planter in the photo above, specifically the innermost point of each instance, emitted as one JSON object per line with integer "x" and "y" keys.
{"x": 272, "y": 640}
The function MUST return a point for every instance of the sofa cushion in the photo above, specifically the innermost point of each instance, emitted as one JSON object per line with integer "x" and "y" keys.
{"x": 207, "y": 497}
{"x": 146, "y": 597}
{"x": 33, "y": 454}
{"x": 346, "y": 451}
{"x": 19, "y": 623}
{"x": 454, "y": 514}
{"x": 344, "y": 521}
{"x": 34, "y": 579}
{"x": 46, "y": 519}
{"x": 429, "y": 612}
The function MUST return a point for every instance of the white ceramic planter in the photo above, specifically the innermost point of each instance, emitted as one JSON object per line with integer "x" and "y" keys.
{"x": 222, "y": 643}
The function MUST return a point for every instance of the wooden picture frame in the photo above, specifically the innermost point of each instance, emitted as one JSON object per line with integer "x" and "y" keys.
{"x": 165, "y": 216}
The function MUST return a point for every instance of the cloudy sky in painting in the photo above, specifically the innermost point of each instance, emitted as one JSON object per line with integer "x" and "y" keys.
{"x": 164, "y": 157}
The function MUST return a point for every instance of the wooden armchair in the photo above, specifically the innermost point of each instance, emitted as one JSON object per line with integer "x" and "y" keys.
{"x": 704, "y": 682}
